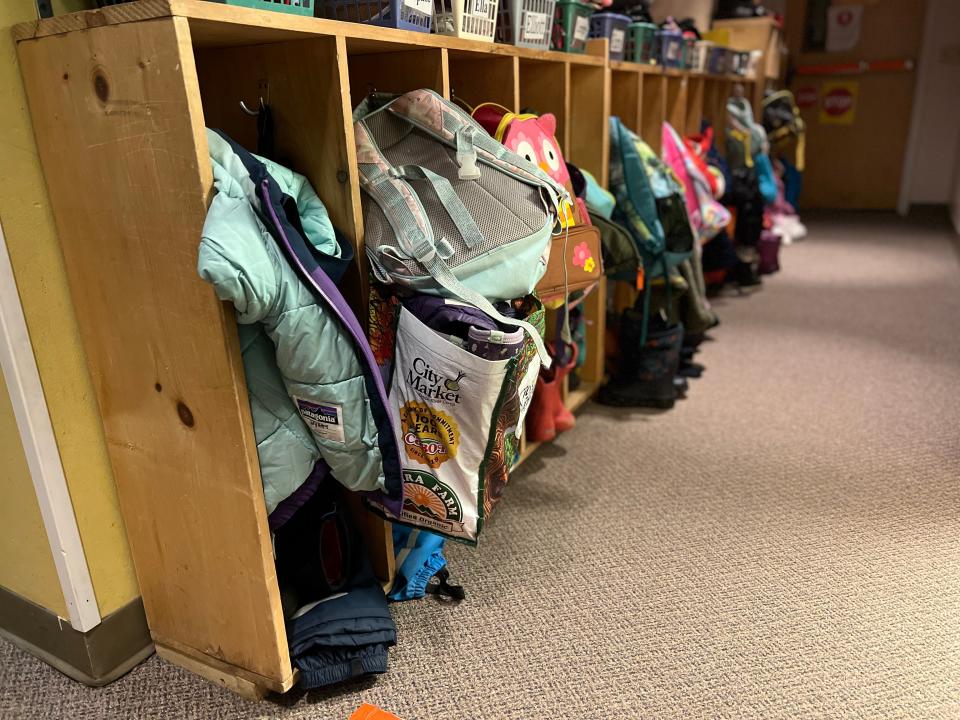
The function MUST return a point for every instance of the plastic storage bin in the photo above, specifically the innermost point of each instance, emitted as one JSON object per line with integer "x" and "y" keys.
{"x": 526, "y": 23}
{"x": 571, "y": 26}
{"x": 671, "y": 48}
{"x": 614, "y": 27}
{"x": 642, "y": 43}
{"x": 717, "y": 62}
{"x": 689, "y": 47}
{"x": 403, "y": 14}
{"x": 697, "y": 57}
{"x": 471, "y": 19}
{"x": 702, "y": 55}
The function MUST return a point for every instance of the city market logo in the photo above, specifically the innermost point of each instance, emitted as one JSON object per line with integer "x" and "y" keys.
{"x": 431, "y": 385}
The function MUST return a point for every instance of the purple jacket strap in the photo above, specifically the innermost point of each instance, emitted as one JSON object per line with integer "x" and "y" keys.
{"x": 324, "y": 285}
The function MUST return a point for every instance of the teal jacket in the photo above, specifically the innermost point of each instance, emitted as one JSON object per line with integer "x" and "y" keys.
{"x": 308, "y": 384}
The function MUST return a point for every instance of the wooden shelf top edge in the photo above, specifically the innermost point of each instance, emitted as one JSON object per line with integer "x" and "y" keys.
{"x": 253, "y": 24}
{"x": 642, "y": 68}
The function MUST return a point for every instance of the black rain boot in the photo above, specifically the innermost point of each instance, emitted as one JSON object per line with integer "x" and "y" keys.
{"x": 646, "y": 372}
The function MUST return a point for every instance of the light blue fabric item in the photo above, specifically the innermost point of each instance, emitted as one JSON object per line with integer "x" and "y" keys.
{"x": 740, "y": 116}
{"x": 765, "y": 178}
{"x": 600, "y": 201}
{"x": 792, "y": 183}
{"x": 419, "y": 558}
{"x": 295, "y": 353}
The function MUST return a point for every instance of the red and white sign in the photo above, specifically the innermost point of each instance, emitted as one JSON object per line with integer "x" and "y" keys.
{"x": 838, "y": 105}
{"x": 843, "y": 27}
{"x": 807, "y": 97}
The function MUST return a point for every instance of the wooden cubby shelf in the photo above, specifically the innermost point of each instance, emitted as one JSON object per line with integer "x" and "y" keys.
{"x": 120, "y": 98}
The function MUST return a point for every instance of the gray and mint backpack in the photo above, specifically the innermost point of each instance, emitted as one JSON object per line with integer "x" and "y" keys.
{"x": 447, "y": 209}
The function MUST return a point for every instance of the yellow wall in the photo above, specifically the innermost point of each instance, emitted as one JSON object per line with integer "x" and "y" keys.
{"x": 26, "y": 565}
{"x": 41, "y": 280}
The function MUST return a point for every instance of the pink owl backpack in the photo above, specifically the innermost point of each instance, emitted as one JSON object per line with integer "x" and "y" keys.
{"x": 448, "y": 210}
{"x": 532, "y": 137}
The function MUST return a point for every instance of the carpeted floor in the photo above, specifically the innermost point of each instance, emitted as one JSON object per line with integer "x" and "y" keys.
{"x": 783, "y": 544}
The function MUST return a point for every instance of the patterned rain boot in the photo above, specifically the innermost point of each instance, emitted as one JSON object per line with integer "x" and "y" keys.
{"x": 646, "y": 376}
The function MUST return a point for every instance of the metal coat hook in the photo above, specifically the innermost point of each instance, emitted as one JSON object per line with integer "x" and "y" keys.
{"x": 264, "y": 86}
{"x": 248, "y": 111}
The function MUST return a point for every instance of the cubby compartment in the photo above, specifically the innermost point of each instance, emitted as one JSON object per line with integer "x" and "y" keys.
{"x": 545, "y": 88}
{"x": 589, "y": 108}
{"x": 694, "y": 109}
{"x": 676, "y": 99}
{"x": 653, "y": 109}
{"x": 625, "y": 96}
{"x": 310, "y": 106}
{"x": 395, "y": 69}
{"x": 477, "y": 78}
{"x": 716, "y": 92}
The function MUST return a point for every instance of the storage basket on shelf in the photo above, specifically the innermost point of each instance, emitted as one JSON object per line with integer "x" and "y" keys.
{"x": 294, "y": 7}
{"x": 642, "y": 43}
{"x": 614, "y": 27}
{"x": 671, "y": 48}
{"x": 471, "y": 19}
{"x": 526, "y": 23}
{"x": 689, "y": 48}
{"x": 403, "y": 14}
{"x": 702, "y": 55}
{"x": 571, "y": 26}
{"x": 717, "y": 62}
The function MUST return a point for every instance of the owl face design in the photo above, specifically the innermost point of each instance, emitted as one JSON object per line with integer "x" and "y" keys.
{"x": 533, "y": 139}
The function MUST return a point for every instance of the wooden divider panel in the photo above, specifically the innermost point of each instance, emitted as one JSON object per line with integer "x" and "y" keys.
{"x": 120, "y": 130}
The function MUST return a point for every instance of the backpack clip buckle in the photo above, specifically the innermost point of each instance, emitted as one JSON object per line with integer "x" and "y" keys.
{"x": 466, "y": 155}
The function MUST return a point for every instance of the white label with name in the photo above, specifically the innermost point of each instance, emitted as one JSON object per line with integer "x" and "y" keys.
{"x": 421, "y": 6}
{"x": 616, "y": 41}
{"x": 534, "y": 26}
{"x": 478, "y": 7}
{"x": 581, "y": 29}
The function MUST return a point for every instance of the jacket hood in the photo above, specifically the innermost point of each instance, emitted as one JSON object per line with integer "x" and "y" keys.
{"x": 231, "y": 176}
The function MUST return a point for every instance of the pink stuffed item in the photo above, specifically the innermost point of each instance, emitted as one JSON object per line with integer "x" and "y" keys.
{"x": 533, "y": 138}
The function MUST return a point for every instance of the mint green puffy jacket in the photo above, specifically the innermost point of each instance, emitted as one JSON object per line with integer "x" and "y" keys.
{"x": 294, "y": 350}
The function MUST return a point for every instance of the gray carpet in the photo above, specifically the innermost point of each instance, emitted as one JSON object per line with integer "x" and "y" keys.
{"x": 783, "y": 544}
